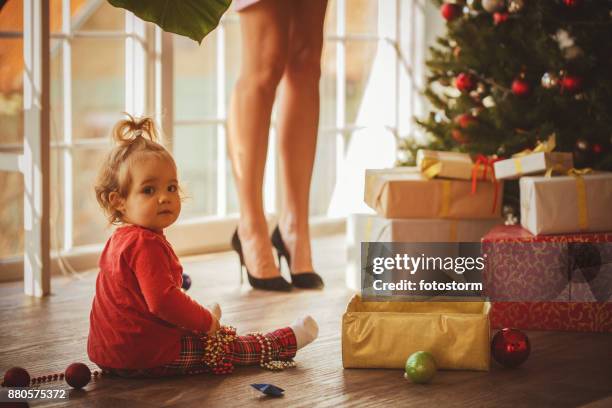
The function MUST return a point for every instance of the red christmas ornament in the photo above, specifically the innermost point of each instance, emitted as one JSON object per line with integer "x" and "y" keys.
{"x": 465, "y": 82}
{"x": 463, "y": 121}
{"x": 571, "y": 83}
{"x": 450, "y": 11}
{"x": 16, "y": 377}
{"x": 520, "y": 87}
{"x": 510, "y": 347}
{"x": 572, "y": 3}
{"x": 499, "y": 17}
{"x": 597, "y": 148}
{"x": 78, "y": 375}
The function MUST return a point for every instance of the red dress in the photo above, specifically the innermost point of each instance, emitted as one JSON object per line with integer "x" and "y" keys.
{"x": 139, "y": 312}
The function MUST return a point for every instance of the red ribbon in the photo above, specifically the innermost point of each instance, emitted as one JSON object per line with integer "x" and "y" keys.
{"x": 487, "y": 163}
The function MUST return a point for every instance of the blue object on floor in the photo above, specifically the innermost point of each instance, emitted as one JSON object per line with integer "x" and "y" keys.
{"x": 186, "y": 281}
{"x": 269, "y": 389}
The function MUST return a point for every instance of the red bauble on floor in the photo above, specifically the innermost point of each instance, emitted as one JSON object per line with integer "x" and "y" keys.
{"x": 510, "y": 347}
{"x": 16, "y": 377}
{"x": 78, "y": 375}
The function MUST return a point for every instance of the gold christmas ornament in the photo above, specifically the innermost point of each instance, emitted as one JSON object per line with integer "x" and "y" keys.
{"x": 492, "y": 6}
{"x": 516, "y": 6}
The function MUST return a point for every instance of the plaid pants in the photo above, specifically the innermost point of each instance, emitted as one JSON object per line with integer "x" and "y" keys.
{"x": 244, "y": 350}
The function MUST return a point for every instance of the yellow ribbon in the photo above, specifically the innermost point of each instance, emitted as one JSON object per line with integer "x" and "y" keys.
{"x": 581, "y": 198}
{"x": 431, "y": 167}
{"x": 541, "y": 147}
{"x": 579, "y": 172}
{"x": 583, "y": 215}
{"x": 446, "y": 197}
{"x": 518, "y": 166}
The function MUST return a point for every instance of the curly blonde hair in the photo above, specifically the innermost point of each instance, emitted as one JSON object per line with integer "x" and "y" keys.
{"x": 133, "y": 138}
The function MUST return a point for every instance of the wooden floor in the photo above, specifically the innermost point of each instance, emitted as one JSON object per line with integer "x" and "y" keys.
{"x": 44, "y": 336}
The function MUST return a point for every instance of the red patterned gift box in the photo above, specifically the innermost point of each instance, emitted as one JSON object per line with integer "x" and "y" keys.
{"x": 525, "y": 270}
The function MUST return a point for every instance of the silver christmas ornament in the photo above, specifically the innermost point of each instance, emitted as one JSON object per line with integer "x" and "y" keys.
{"x": 550, "y": 80}
{"x": 492, "y": 6}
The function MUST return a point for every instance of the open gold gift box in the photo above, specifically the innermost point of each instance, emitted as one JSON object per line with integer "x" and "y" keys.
{"x": 384, "y": 334}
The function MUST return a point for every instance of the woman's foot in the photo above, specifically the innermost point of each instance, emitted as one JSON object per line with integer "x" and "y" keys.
{"x": 301, "y": 279}
{"x": 257, "y": 251}
{"x": 306, "y": 330}
{"x": 297, "y": 242}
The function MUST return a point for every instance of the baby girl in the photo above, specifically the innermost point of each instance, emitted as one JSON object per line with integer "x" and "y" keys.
{"x": 141, "y": 323}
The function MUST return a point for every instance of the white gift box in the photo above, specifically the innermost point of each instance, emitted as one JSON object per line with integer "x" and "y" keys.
{"x": 566, "y": 204}
{"x": 534, "y": 163}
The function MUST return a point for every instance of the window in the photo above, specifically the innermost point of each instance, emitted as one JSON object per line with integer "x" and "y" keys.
{"x": 104, "y": 61}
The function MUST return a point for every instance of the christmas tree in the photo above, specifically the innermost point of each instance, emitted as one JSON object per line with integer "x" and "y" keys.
{"x": 509, "y": 73}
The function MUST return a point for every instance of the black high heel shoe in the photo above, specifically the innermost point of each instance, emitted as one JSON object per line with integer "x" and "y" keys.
{"x": 304, "y": 280}
{"x": 278, "y": 284}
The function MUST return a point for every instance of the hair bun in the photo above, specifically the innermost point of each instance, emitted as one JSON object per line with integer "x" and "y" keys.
{"x": 127, "y": 131}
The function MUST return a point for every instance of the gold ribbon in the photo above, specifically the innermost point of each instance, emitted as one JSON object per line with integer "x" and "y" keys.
{"x": 557, "y": 168}
{"x": 581, "y": 198}
{"x": 446, "y": 198}
{"x": 518, "y": 166}
{"x": 541, "y": 147}
{"x": 431, "y": 167}
{"x": 583, "y": 216}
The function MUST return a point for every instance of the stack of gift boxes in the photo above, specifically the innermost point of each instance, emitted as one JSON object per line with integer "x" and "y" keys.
{"x": 554, "y": 271}
{"x": 448, "y": 197}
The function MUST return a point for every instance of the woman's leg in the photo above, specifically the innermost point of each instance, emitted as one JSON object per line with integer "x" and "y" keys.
{"x": 298, "y": 126}
{"x": 265, "y": 29}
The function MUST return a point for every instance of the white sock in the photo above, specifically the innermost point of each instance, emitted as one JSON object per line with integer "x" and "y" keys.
{"x": 215, "y": 309}
{"x": 306, "y": 330}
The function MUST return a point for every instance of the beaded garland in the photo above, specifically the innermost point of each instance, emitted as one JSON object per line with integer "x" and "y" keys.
{"x": 217, "y": 347}
{"x": 272, "y": 365}
{"x": 37, "y": 381}
{"x": 216, "y": 351}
